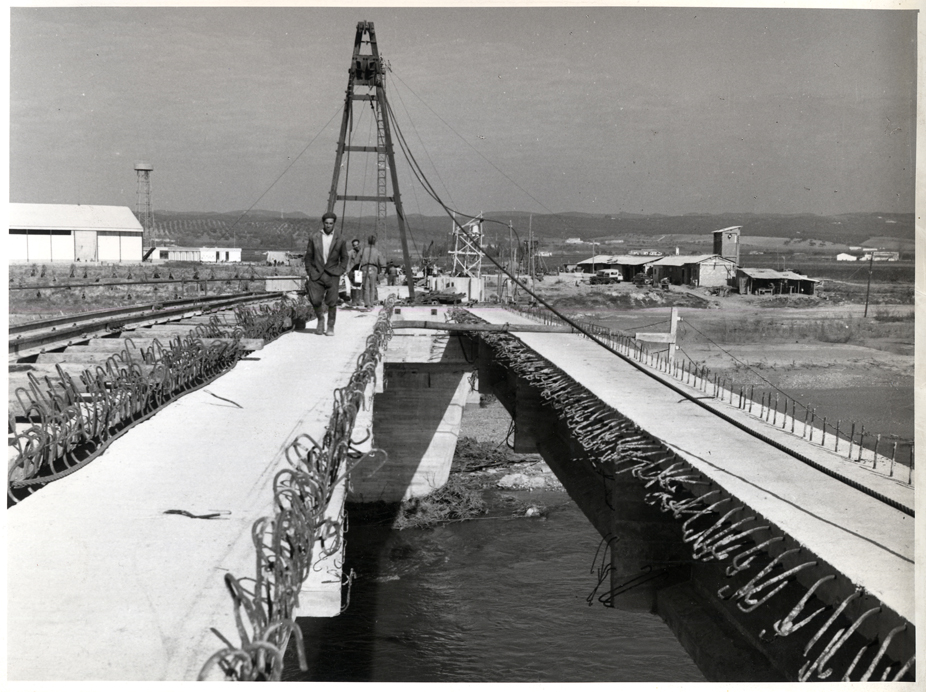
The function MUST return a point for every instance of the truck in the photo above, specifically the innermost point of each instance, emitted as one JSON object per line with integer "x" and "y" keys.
{"x": 607, "y": 276}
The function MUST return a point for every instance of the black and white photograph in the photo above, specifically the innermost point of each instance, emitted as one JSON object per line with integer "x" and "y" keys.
{"x": 463, "y": 344}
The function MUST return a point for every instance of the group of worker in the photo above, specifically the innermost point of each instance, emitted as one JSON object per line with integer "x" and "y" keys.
{"x": 328, "y": 259}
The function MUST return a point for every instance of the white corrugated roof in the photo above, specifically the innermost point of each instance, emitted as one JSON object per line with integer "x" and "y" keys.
{"x": 680, "y": 260}
{"x": 765, "y": 273}
{"x": 618, "y": 259}
{"x": 73, "y": 217}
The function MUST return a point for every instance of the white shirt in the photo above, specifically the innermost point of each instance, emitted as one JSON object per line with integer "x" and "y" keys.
{"x": 326, "y": 244}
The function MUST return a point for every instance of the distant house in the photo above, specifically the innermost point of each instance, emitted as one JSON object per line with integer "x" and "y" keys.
{"x": 574, "y": 241}
{"x": 885, "y": 256}
{"x": 629, "y": 265}
{"x": 73, "y": 233}
{"x": 646, "y": 253}
{"x": 774, "y": 282}
{"x": 846, "y": 257}
{"x": 696, "y": 270}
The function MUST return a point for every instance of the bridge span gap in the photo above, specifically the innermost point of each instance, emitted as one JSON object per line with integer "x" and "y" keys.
{"x": 711, "y": 516}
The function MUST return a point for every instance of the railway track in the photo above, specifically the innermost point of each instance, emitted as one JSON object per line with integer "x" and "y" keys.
{"x": 77, "y": 383}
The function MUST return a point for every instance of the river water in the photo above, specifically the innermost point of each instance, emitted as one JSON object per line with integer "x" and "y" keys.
{"x": 491, "y": 600}
{"x": 505, "y": 599}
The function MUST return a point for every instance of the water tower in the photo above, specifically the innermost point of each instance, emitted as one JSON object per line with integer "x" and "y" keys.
{"x": 143, "y": 199}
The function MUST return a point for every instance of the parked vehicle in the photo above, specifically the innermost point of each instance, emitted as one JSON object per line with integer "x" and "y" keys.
{"x": 607, "y": 276}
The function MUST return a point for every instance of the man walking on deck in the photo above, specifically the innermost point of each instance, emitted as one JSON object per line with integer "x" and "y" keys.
{"x": 326, "y": 258}
{"x": 371, "y": 262}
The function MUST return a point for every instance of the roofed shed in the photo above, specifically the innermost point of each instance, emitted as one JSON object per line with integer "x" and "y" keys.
{"x": 629, "y": 265}
{"x": 695, "y": 270}
{"x": 774, "y": 282}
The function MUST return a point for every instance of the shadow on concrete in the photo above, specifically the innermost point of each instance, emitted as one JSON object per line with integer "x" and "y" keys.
{"x": 329, "y": 642}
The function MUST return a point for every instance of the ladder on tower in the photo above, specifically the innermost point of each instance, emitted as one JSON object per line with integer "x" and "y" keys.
{"x": 366, "y": 84}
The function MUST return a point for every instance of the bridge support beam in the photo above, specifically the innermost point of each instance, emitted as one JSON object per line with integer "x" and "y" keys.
{"x": 416, "y": 421}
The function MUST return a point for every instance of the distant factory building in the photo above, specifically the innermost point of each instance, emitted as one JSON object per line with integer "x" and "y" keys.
{"x": 770, "y": 281}
{"x": 629, "y": 265}
{"x": 695, "y": 270}
{"x": 846, "y": 257}
{"x": 73, "y": 233}
{"x": 882, "y": 256}
{"x": 176, "y": 253}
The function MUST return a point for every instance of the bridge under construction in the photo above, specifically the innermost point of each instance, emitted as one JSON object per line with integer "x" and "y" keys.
{"x": 191, "y": 545}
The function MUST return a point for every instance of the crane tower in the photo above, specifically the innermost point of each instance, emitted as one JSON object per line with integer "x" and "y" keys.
{"x": 366, "y": 84}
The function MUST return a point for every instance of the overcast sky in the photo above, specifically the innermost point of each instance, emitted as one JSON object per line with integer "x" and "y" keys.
{"x": 599, "y": 110}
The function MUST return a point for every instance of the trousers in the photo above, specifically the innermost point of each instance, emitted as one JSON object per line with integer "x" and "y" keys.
{"x": 370, "y": 279}
{"x": 323, "y": 291}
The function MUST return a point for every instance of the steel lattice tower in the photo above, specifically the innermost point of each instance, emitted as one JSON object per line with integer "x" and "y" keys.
{"x": 467, "y": 248}
{"x": 367, "y": 83}
{"x": 143, "y": 200}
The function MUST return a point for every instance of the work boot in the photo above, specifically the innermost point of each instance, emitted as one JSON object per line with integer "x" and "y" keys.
{"x": 320, "y": 327}
{"x": 332, "y": 314}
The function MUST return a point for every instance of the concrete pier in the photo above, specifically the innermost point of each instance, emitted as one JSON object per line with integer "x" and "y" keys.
{"x": 417, "y": 416}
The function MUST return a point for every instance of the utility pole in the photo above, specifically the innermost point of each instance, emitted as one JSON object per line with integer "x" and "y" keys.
{"x": 368, "y": 71}
{"x": 871, "y": 261}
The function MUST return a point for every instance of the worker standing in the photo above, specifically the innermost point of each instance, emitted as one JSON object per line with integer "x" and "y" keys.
{"x": 326, "y": 257}
{"x": 371, "y": 262}
{"x": 354, "y": 275}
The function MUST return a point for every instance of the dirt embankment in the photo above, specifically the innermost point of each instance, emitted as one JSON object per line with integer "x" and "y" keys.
{"x": 792, "y": 341}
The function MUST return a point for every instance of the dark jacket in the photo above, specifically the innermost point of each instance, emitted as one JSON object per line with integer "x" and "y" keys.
{"x": 338, "y": 256}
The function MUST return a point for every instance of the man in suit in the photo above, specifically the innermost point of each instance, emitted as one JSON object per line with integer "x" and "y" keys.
{"x": 326, "y": 258}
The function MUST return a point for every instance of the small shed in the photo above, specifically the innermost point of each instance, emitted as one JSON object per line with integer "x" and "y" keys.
{"x": 771, "y": 281}
{"x": 696, "y": 270}
{"x": 73, "y": 233}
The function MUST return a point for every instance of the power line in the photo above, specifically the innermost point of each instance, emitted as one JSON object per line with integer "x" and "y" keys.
{"x": 285, "y": 171}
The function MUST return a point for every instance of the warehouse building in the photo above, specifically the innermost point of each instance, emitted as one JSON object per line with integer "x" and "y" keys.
{"x": 73, "y": 233}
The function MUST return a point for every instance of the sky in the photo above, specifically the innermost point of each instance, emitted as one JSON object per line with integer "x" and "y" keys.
{"x": 601, "y": 110}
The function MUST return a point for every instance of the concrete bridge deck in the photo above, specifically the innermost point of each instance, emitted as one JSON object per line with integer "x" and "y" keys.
{"x": 104, "y": 585}
{"x": 869, "y": 542}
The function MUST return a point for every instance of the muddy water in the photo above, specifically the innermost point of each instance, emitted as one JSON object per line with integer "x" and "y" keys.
{"x": 498, "y": 600}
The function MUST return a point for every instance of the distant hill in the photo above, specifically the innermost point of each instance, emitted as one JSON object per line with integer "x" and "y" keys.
{"x": 261, "y": 230}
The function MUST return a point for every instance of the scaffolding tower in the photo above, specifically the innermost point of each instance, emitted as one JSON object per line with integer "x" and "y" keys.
{"x": 467, "y": 248}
